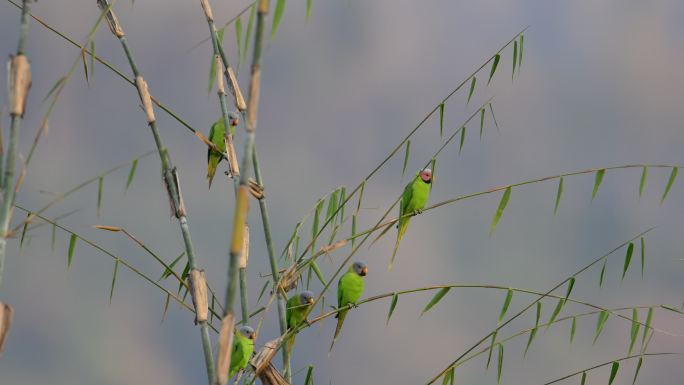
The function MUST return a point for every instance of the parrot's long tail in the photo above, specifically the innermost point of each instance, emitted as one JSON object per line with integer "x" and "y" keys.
{"x": 211, "y": 171}
{"x": 340, "y": 320}
{"x": 289, "y": 345}
{"x": 400, "y": 234}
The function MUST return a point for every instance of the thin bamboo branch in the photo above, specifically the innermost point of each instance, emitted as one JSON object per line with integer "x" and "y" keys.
{"x": 169, "y": 173}
{"x": 563, "y": 282}
{"x": 610, "y": 362}
{"x": 19, "y": 85}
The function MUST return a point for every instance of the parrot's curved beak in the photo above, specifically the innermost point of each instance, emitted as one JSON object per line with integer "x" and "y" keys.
{"x": 311, "y": 301}
{"x": 252, "y": 336}
{"x": 364, "y": 271}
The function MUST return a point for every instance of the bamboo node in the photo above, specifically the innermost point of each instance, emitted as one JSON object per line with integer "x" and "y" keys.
{"x": 263, "y": 6}
{"x": 244, "y": 255}
{"x": 263, "y": 357}
{"x": 144, "y": 93}
{"x": 207, "y": 10}
{"x": 233, "y": 165}
{"x": 6, "y": 313}
{"x": 256, "y": 189}
{"x": 235, "y": 89}
{"x": 19, "y": 76}
{"x": 198, "y": 286}
{"x": 225, "y": 348}
{"x": 112, "y": 20}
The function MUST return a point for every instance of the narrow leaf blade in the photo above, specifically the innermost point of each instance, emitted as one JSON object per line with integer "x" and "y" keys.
{"x": 473, "y": 82}
{"x": 628, "y": 259}
{"x": 559, "y": 194}
{"x": 72, "y": 246}
{"x": 116, "y": 271}
{"x": 406, "y": 157}
{"x": 613, "y": 372}
{"x": 600, "y": 324}
{"x": 597, "y": 182}
{"x": 437, "y": 297}
{"x": 393, "y": 305}
{"x": 634, "y": 332}
{"x": 506, "y": 304}
{"x": 277, "y": 16}
{"x": 670, "y": 182}
{"x": 642, "y": 182}
{"x": 495, "y": 63}
{"x": 131, "y": 174}
{"x": 441, "y": 120}
{"x": 499, "y": 211}
{"x": 99, "y": 195}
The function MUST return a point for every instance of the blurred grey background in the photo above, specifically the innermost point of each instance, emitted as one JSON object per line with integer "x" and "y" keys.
{"x": 601, "y": 85}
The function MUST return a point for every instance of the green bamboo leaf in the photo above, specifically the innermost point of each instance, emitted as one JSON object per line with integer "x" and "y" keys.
{"x": 670, "y": 182}
{"x": 213, "y": 303}
{"x": 559, "y": 194}
{"x": 250, "y": 25}
{"x": 116, "y": 271}
{"x": 99, "y": 195}
{"x": 500, "y": 363}
{"x": 642, "y": 182}
{"x": 23, "y": 231}
{"x": 92, "y": 57}
{"x": 573, "y": 329}
{"x": 482, "y": 116}
{"x": 406, "y": 157}
{"x": 448, "y": 378}
{"x": 353, "y": 230}
{"x": 491, "y": 348}
{"x": 584, "y": 378}
{"x": 533, "y": 333}
{"x": 497, "y": 57}
{"x": 53, "y": 236}
{"x": 597, "y": 182}
{"x": 319, "y": 274}
{"x": 168, "y": 271}
{"x": 393, "y": 304}
{"x": 212, "y": 74}
{"x": 166, "y": 306}
{"x": 643, "y": 257}
{"x": 433, "y": 168}
{"x": 520, "y": 52}
{"x": 613, "y": 372}
{"x": 491, "y": 110}
{"x": 238, "y": 38}
{"x": 85, "y": 66}
{"x": 671, "y": 308}
{"x": 332, "y": 205}
{"x": 506, "y": 304}
{"x": 634, "y": 332}
{"x": 515, "y": 57}
{"x": 263, "y": 290}
{"x": 58, "y": 85}
{"x": 571, "y": 284}
{"x": 308, "y": 10}
{"x": 600, "y": 323}
{"x": 131, "y": 174}
{"x": 473, "y": 81}
{"x": 638, "y": 368}
{"x": 628, "y": 259}
{"x": 314, "y": 225}
{"x": 647, "y": 325}
{"x": 463, "y": 134}
{"x": 556, "y": 311}
{"x": 363, "y": 188}
{"x": 441, "y": 120}
{"x": 440, "y": 294}
{"x": 309, "y": 375}
{"x": 603, "y": 272}
{"x": 184, "y": 275}
{"x": 72, "y": 246}
{"x": 499, "y": 211}
{"x": 277, "y": 16}
{"x": 341, "y": 203}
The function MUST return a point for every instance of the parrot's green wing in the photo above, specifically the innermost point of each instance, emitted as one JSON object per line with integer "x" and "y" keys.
{"x": 415, "y": 197}
{"x": 217, "y": 137}
{"x": 242, "y": 352}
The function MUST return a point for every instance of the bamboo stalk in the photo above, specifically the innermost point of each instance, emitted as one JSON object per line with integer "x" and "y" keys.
{"x": 242, "y": 202}
{"x": 19, "y": 83}
{"x": 169, "y": 173}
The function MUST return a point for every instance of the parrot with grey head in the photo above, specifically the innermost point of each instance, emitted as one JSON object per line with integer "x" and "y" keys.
{"x": 217, "y": 136}
{"x": 413, "y": 200}
{"x": 298, "y": 307}
{"x": 349, "y": 290}
{"x": 243, "y": 347}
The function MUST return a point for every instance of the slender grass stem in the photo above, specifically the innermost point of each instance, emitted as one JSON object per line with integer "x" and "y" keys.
{"x": 169, "y": 173}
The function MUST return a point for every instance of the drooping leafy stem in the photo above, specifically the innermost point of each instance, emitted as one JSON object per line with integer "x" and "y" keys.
{"x": 169, "y": 173}
{"x": 521, "y": 312}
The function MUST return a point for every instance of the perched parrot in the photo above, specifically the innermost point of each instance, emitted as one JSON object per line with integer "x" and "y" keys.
{"x": 298, "y": 307}
{"x": 243, "y": 346}
{"x": 217, "y": 137}
{"x": 349, "y": 290}
{"x": 416, "y": 194}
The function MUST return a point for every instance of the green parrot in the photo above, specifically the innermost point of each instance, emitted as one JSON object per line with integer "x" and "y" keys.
{"x": 243, "y": 346}
{"x": 298, "y": 307}
{"x": 415, "y": 197}
{"x": 217, "y": 137}
{"x": 349, "y": 290}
